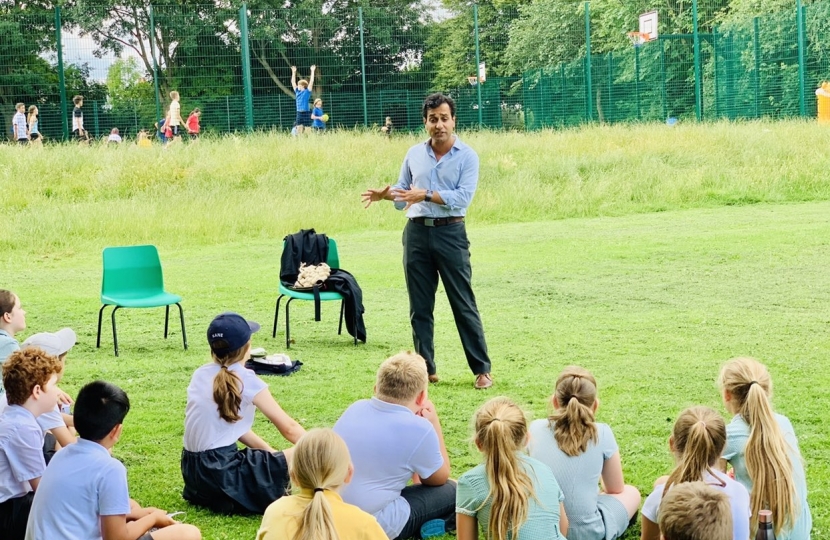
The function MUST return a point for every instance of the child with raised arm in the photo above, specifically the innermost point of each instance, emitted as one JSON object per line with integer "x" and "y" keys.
{"x": 763, "y": 450}
{"x": 511, "y": 495}
{"x": 582, "y": 452}
{"x": 320, "y": 467}
{"x": 302, "y": 90}
{"x": 697, "y": 441}
{"x": 84, "y": 494}
{"x": 222, "y": 399}
{"x": 30, "y": 377}
{"x": 695, "y": 511}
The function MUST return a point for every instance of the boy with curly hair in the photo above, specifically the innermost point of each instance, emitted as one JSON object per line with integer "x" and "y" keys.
{"x": 30, "y": 377}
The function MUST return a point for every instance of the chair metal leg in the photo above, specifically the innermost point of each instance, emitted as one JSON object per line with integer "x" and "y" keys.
{"x": 114, "y": 333}
{"x": 181, "y": 316}
{"x": 287, "y": 325}
{"x": 276, "y": 316}
{"x": 167, "y": 319}
{"x": 100, "y": 316}
{"x": 342, "y": 311}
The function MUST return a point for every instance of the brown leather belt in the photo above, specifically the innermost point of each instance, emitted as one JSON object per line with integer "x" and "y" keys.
{"x": 436, "y": 222}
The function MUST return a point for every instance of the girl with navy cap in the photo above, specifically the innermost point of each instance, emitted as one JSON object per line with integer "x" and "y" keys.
{"x": 222, "y": 399}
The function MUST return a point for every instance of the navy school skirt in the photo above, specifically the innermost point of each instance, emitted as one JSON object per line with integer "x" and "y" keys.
{"x": 232, "y": 481}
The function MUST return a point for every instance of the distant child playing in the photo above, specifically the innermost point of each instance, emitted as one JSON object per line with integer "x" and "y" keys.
{"x": 30, "y": 378}
{"x": 318, "y": 123}
{"x": 78, "y": 131}
{"x": 193, "y": 127}
{"x": 19, "y": 128}
{"x": 763, "y": 450}
{"x": 222, "y": 399}
{"x": 84, "y": 493}
{"x": 302, "y": 90}
{"x": 321, "y": 466}
{"x": 34, "y": 126}
{"x": 174, "y": 115}
{"x": 511, "y": 495}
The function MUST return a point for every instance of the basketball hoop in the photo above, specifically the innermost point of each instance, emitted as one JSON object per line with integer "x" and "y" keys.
{"x": 638, "y": 38}
{"x": 473, "y": 80}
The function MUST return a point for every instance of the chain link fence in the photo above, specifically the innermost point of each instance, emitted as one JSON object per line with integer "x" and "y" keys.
{"x": 538, "y": 69}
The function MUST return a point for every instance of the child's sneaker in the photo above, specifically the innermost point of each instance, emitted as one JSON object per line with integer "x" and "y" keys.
{"x": 433, "y": 528}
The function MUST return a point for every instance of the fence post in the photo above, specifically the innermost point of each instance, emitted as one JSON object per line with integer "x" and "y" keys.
{"x": 698, "y": 74}
{"x": 155, "y": 62}
{"x": 608, "y": 115}
{"x": 61, "y": 79}
{"x": 363, "y": 68}
{"x": 637, "y": 80}
{"x": 756, "y": 29}
{"x": 247, "y": 91}
{"x": 95, "y": 118}
{"x": 802, "y": 64}
{"x": 663, "y": 75}
{"x": 589, "y": 92}
{"x": 478, "y": 66}
{"x": 564, "y": 93}
{"x": 715, "y": 72}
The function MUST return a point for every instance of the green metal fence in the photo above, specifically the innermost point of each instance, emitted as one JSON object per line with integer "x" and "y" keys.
{"x": 549, "y": 63}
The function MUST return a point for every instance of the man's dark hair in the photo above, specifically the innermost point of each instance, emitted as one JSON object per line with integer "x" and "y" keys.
{"x": 100, "y": 407}
{"x": 433, "y": 101}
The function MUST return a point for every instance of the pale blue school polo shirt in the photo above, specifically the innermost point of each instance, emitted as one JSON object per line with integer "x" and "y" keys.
{"x": 454, "y": 178}
{"x": 82, "y": 483}
{"x": 21, "y": 452}
{"x": 7, "y": 346}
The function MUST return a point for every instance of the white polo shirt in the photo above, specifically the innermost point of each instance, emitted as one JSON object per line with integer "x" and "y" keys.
{"x": 388, "y": 443}
{"x": 204, "y": 429}
{"x": 82, "y": 483}
{"x": 21, "y": 452}
{"x": 50, "y": 420}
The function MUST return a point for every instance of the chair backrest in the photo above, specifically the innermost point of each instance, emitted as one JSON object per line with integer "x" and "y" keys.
{"x": 333, "y": 259}
{"x": 131, "y": 270}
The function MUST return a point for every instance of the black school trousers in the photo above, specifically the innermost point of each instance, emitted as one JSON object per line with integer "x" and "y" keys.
{"x": 430, "y": 253}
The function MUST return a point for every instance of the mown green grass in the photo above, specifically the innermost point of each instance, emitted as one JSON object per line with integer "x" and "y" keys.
{"x": 652, "y": 302}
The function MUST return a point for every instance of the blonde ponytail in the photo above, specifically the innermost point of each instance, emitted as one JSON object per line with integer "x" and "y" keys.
{"x": 573, "y": 421}
{"x": 767, "y": 453}
{"x": 227, "y": 386}
{"x": 699, "y": 436}
{"x": 321, "y": 462}
{"x": 501, "y": 433}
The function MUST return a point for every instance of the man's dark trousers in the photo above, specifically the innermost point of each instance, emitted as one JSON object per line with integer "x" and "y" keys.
{"x": 427, "y": 253}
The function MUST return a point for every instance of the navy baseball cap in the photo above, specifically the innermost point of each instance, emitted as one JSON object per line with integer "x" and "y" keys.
{"x": 230, "y": 331}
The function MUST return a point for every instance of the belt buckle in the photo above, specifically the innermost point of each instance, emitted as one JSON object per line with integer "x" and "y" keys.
{"x": 429, "y": 222}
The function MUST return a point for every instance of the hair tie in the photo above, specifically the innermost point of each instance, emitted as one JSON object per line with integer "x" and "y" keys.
{"x": 223, "y": 367}
{"x": 317, "y": 489}
{"x": 703, "y": 423}
{"x": 572, "y": 396}
{"x": 753, "y": 382}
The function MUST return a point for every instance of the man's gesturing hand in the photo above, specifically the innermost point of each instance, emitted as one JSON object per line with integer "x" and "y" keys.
{"x": 374, "y": 195}
{"x": 408, "y": 196}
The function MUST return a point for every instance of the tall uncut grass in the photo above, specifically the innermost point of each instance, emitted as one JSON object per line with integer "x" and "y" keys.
{"x": 63, "y": 196}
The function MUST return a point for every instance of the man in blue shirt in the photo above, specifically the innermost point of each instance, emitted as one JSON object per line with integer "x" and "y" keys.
{"x": 302, "y": 90}
{"x": 437, "y": 182}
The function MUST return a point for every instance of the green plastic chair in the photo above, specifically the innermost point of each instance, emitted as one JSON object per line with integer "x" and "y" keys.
{"x": 333, "y": 260}
{"x": 133, "y": 279}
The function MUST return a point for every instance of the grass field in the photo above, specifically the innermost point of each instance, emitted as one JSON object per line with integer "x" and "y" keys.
{"x": 633, "y": 251}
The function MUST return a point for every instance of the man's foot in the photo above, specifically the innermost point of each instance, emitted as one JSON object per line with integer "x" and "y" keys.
{"x": 483, "y": 381}
{"x": 433, "y": 378}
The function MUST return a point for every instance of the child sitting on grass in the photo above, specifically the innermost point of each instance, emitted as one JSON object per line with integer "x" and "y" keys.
{"x": 12, "y": 321}
{"x": 30, "y": 377}
{"x": 695, "y": 511}
{"x": 697, "y": 441}
{"x": 84, "y": 494}
{"x": 321, "y": 466}
{"x": 511, "y": 495}
{"x": 222, "y": 400}
{"x": 581, "y": 451}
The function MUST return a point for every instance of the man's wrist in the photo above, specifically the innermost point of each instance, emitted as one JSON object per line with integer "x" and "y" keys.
{"x": 428, "y": 195}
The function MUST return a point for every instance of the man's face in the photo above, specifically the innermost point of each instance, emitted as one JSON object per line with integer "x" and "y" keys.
{"x": 440, "y": 123}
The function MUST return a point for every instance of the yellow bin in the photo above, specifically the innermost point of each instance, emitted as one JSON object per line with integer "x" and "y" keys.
{"x": 823, "y": 97}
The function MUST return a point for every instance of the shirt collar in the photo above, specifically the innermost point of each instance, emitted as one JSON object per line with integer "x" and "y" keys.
{"x": 91, "y": 446}
{"x": 381, "y": 405}
{"x": 456, "y": 145}
{"x": 4, "y": 333}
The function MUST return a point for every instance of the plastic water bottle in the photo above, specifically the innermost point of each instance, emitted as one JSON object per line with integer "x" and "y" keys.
{"x": 765, "y": 529}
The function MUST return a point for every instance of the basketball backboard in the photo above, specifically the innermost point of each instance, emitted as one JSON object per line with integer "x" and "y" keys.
{"x": 648, "y": 25}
